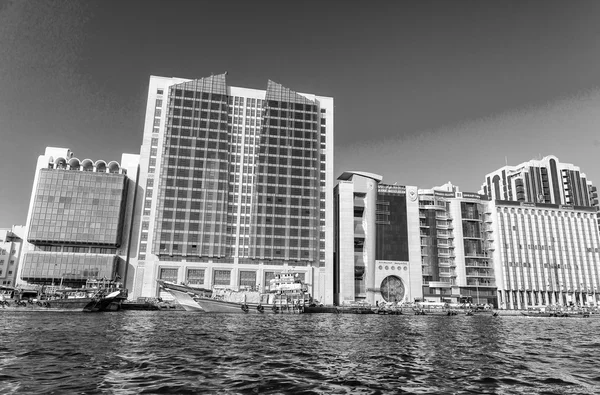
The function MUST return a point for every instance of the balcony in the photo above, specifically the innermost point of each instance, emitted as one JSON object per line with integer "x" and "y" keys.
{"x": 440, "y": 284}
{"x": 445, "y": 245}
{"x": 423, "y": 224}
{"x": 477, "y": 274}
{"x": 446, "y": 254}
{"x": 472, "y": 219}
{"x": 469, "y": 254}
{"x": 444, "y": 226}
{"x": 490, "y": 284}
{"x": 447, "y": 274}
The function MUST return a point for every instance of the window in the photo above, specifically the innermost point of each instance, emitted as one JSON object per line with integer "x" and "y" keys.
{"x": 222, "y": 277}
{"x": 247, "y": 279}
{"x": 168, "y": 275}
{"x": 195, "y": 276}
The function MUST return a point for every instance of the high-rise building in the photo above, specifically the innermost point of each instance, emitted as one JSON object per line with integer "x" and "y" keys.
{"x": 454, "y": 247}
{"x": 541, "y": 181}
{"x": 79, "y": 219}
{"x": 377, "y": 256}
{"x": 543, "y": 222}
{"x": 11, "y": 248}
{"x": 237, "y": 186}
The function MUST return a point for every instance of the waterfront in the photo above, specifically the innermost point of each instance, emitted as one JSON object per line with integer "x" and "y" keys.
{"x": 179, "y": 352}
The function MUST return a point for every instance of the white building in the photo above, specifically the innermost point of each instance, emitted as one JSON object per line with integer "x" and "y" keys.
{"x": 544, "y": 254}
{"x": 236, "y": 186}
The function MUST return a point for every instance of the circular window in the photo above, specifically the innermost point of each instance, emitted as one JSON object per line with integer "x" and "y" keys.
{"x": 392, "y": 289}
{"x": 380, "y": 267}
{"x": 387, "y": 268}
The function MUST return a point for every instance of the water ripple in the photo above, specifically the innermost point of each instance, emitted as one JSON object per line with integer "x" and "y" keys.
{"x": 181, "y": 353}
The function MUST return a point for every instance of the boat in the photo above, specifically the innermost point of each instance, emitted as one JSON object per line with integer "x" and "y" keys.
{"x": 558, "y": 312}
{"x": 434, "y": 308}
{"x": 286, "y": 294}
{"x": 150, "y": 304}
{"x": 346, "y": 308}
{"x": 95, "y": 296}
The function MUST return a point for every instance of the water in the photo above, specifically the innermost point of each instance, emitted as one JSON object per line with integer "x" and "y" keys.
{"x": 177, "y": 352}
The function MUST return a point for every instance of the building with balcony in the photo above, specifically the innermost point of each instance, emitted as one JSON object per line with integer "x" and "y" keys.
{"x": 455, "y": 261}
{"x": 79, "y": 219}
{"x": 377, "y": 256}
{"x": 237, "y": 186}
{"x": 542, "y": 181}
{"x": 11, "y": 248}
{"x": 542, "y": 224}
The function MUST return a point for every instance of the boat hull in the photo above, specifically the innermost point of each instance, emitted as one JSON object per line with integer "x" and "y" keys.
{"x": 220, "y": 306}
{"x": 78, "y": 304}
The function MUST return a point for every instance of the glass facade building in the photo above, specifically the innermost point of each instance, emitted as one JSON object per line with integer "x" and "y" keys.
{"x": 77, "y": 207}
{"x": 237, "y": 182}
{"x": 79, "y": 217}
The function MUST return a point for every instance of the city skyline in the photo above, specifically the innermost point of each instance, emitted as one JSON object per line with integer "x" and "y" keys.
{"x": 425, "y": 92}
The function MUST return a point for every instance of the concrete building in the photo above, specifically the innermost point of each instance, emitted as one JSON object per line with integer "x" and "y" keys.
{"x": 237, "y": 186}
{"x": 11, "y": 249}
{"x": 377, "y": 253}
{"x": 541, "y": 181}
{"x": 454, "y": 247}
{"x": 79, "y": 219}
{"x": 542, "y": 222}
{"x": 544, "y": 254}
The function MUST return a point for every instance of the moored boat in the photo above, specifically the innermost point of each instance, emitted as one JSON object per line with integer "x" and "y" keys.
{"x": 287, "y": 294}
{"x": 558, "y": 312}
{"x": 96, "y": 296}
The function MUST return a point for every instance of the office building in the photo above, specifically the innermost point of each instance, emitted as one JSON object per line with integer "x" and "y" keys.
{"x": 544, "y": 254}
{"x": 454, "y": 247}
{"x": 543, "y": 219}
{"x": 377, "y": 253}
{"x": 11, "y": 248}
{"x": 541, "y": 181}
{"x": 237, "y": 186}
{"x": 79, "y": 219}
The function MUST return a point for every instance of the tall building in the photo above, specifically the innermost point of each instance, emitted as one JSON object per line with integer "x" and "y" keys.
{"x": 454, "y": 247}
{"x": 237, "y": 186}
{"x": 79, "y": 219}
{"x": 377, "y": 255}
{"x": 11, "y": 248}
{"x": 544, "y": 224}
{"x": 541, "y": 181}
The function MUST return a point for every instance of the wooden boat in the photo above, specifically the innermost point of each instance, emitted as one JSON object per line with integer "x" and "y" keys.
{"x": 287, "y": 294}
{"x": 555, "y": 312}
{"x": 96, "y": 296}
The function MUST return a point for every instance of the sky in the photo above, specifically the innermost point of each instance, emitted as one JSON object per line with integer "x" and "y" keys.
{"x": 425, "y": 92}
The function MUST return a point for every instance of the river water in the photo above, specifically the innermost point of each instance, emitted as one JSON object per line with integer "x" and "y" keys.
{"x": 133, "y": 352}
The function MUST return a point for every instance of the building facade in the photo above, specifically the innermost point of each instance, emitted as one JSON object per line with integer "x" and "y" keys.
{"x": 542, "y": 221}
{"x": 11, "y": 248}
{"x": 236, "y": 186}
{"x": 544, "y": 254}
{"x": 377, "y": 256}
{"x": 541, "y": 181}
{"x": 457, "y": 267}
{"x": 79, "y": 219}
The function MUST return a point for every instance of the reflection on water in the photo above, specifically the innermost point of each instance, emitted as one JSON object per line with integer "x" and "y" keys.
{"x": 178, "y": 352}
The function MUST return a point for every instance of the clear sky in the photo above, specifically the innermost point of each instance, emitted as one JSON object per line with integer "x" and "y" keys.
{"x": 425, "y": 91}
